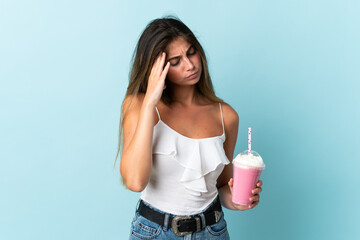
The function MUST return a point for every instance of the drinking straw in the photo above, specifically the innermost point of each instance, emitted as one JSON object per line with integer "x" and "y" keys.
{"x": 249, "y": 141}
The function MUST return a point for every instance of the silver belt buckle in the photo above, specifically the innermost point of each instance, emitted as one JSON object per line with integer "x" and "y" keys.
{"x": 175, "y": 225}
{"x": 217, "y": 216}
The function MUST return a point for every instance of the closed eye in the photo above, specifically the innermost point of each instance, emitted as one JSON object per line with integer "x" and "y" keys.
{"x": 174, "y": 61}
{"x": 191, "y": 51}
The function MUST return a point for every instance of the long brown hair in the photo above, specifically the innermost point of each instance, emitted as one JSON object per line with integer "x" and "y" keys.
{"x": 154, "y": 40}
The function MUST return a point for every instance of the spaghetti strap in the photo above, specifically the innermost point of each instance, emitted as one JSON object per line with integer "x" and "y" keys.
{"x": 158, "y": 112}
{"x": 222, "y": 119}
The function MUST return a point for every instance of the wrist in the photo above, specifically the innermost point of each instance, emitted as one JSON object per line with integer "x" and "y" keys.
{"x": 149, "y": 103}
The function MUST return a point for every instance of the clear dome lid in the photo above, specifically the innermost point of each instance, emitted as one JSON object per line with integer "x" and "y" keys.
{"x": 246, "y": 160}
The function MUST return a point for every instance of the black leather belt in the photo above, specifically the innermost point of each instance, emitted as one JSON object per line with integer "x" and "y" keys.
{"x": 182, "y": 225}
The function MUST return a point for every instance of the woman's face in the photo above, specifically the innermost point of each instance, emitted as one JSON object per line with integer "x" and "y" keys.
{"x": 185, "y": 62}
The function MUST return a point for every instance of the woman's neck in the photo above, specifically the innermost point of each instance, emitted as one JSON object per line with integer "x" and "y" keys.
{"x": 184, "y": 95}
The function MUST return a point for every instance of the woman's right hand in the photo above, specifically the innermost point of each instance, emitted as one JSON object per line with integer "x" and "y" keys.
{"x": 156, "y": 81}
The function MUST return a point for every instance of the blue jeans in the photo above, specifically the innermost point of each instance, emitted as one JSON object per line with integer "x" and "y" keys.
{"x": 142, "y": 228}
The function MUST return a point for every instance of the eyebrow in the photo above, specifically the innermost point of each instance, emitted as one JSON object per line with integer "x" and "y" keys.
{"x": 176, "y": 57}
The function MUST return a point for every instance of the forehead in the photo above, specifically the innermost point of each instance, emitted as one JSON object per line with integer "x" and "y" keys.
{"x": 178, "y": 46}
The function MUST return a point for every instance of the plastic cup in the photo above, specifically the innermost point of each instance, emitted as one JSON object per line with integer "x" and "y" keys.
{"x": 247, "y": 171}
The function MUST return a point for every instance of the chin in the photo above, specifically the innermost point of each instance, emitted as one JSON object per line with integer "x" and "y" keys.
{"x": 185, "y": 82}
{"x": 192, "y": 81}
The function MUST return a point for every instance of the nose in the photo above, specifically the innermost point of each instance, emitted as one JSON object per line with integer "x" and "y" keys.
{"x": 189, "y": 64}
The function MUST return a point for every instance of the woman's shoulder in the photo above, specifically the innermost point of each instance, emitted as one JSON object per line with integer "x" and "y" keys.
{"x": 132, "y": 106}
{"x": 231, "y": 117}
{"x": 131, "y": 100}
{"x": 133, "y": 103}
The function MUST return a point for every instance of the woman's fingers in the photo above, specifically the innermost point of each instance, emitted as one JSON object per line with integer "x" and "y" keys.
{"x": 158, "y": 64}
{"x": 256, "y": 190}
{"x": 231, "y": 183}
{"x": 255, "y": 198}
{"x": 254, "y": 201}
{"x": 253, "y": 204}
{"x": 165, "y": 71}
{"x": 156, "y": 81}
{"x": 154, "y": 68}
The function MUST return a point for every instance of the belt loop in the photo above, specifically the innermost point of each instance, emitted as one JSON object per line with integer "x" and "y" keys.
{"x": 166, "y": 222}
{"x": 203, "y": 222}
{"x": 137, "y": 205}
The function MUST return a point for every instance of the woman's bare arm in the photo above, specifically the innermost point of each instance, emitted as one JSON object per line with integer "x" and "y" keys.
{"x": 136, "y": 158}
{"x": 231, "y": 122}
{"x": 138, "y": 123}
{"x": 225, "y": 180}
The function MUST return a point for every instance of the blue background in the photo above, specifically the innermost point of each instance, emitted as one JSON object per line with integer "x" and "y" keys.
{"x": 289, "y": 68}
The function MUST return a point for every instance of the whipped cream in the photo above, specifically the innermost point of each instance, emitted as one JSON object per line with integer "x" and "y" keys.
{"x": 246, "y": 160}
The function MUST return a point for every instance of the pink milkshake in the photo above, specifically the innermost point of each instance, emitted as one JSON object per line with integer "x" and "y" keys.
{"x": 248, "y": 166}
{"x": 247, "y": 170}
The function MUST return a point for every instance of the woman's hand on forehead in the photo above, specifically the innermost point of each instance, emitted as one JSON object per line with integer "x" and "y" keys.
{"x": 156, "y": 81}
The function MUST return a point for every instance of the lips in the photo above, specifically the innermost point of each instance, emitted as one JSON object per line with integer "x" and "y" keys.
{"x": 192, "y": 76}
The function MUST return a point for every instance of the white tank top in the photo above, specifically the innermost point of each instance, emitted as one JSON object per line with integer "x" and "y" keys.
{"x": 185, "y": 170}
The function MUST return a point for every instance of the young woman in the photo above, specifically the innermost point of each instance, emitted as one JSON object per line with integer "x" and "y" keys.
{"x": 178, "y": 138}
